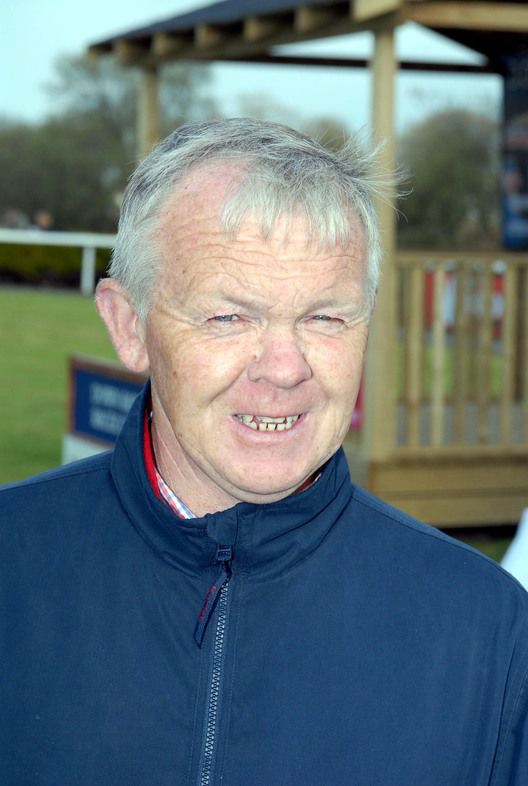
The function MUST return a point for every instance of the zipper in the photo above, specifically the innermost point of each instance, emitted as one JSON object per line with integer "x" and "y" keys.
{"x": 217, "y": 596}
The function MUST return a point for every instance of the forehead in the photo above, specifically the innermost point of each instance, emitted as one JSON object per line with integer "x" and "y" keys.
{"x": 200, "y": 196}
{"x": 190, "y": 226}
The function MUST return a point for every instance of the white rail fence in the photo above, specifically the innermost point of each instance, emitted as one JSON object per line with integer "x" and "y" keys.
{"x": 87, "y": 242}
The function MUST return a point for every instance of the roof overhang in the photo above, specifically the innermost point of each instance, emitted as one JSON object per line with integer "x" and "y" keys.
{"x": 250, "y": 30}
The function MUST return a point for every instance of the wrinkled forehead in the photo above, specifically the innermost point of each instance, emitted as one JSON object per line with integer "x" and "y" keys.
{"x": 224, "y": 196}
{"x": 201, "y": 195}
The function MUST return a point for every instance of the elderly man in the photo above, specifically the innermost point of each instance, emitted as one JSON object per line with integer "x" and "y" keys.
{"x": 215, "y": 602}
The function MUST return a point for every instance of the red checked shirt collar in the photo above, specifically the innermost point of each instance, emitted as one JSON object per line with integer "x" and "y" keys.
{"x": 172, "y": 500}
{"x": 159, "y": 487}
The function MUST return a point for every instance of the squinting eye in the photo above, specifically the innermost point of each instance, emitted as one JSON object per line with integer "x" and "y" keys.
{"x": 325, "y": 318}
{"x": 324, "y": 323}
{"x": 226, "y": 318}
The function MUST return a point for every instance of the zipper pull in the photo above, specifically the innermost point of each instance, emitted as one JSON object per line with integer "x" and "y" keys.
{"x": 223, "y": 555}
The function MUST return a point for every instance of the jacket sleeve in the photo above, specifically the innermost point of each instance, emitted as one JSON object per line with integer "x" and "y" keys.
{"x": 511, "y": 759}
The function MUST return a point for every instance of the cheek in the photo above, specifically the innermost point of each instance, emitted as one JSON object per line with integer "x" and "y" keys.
{"x": 338, "y": 363}
{"x": 198, "y": 368}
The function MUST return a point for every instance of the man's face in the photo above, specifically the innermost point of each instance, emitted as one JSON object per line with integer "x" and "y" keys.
{"x": 256, "y": 351}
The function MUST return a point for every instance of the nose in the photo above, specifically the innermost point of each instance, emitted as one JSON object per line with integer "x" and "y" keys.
{"x": 279, "y": 359}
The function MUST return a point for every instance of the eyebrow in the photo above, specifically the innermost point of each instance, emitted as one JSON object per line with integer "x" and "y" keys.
{"x": 322, "y": 303}
{"x": 347, "y": 307}
{"x": 231, "y": 300}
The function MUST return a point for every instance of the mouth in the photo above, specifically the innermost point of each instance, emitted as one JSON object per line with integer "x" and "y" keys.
{"x": 265, "y": 423}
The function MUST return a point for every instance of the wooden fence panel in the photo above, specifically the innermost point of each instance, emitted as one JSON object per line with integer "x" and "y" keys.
{"x": 464, "y": 349}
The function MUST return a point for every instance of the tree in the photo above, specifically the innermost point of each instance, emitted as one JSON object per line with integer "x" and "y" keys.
{"x": 76, "y": 163}
{"x": 452, "y": 158}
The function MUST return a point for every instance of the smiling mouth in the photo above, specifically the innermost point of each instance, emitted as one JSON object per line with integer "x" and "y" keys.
{"x": 264, "y": 423}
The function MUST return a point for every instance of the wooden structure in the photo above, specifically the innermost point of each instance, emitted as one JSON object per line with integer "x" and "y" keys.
{"x": 453, "y": 453}
{"x": 457, "y": 438}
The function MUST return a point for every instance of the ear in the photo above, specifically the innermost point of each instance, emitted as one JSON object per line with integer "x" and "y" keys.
{"x": 123, "y": 324}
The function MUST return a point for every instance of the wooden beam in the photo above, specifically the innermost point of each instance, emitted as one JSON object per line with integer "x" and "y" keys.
{"x": 380, "y": 391}
{"x": 258, "y": 28}
{"x": 96, "y": 51}
{"x": 129, "y": 52}
{"x": 349, "y": 62}
{"x": 361, "y": 10}
{"x": 148, "y": 113}
{"x": 308, "y": 19}
{"x": 168, "y": 45}
{"x": 454, "y": 491}
{"x": 208, "y": 36}
{"x": 500, "y": 17}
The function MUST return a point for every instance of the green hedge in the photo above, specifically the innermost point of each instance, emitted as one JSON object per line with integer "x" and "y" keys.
{"x": 46, "y": 264}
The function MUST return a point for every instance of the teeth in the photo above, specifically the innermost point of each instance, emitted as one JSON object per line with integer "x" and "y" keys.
{"x": 265, "y": 423}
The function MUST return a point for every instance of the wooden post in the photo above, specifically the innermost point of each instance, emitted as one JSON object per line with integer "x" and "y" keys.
{"x": 509, "y": 318}
{"x": 380, "y": 391}
{"x": 88, "y": 271}
{"x": 524, "y": 345}
{"x": 414, "y": 351}
{"x": 148, "y": 119}
{"x": 438, "y": 360}
{"x": 460, "y": 361}
{"x": 485, "y": 348}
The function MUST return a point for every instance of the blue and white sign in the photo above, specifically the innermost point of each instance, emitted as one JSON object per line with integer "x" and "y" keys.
{"x": 101, "y": 404}
{"x": 101, "y": 395}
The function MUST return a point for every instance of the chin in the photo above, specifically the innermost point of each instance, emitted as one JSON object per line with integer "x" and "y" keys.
{"x": 270, "y": 489}
{"x": 263, "y": 497}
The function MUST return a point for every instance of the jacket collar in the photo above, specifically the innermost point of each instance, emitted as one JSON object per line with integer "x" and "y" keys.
{"x": 265, "y": 539}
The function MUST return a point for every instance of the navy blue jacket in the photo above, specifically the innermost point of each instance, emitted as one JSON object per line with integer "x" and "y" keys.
{"x": 340, "y": 643}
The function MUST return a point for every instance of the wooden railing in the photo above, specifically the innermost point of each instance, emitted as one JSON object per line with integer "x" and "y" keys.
{"x": 463, "y": 342}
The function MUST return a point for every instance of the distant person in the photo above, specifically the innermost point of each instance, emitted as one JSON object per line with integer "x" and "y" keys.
{"x": 214, "y": 602}
{"x": 43, "y": 220}
{"x": 14, "y": 219}
{"x": 515, "y": 561}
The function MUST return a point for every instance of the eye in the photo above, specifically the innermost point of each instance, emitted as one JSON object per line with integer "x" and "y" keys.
{"x": 325, "y": 318}
{"x": 325, "y": 323}
{"x": 223, "y": 318}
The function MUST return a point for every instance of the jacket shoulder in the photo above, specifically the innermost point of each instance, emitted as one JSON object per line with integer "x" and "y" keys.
{"x": 450, "y": 557}
{"x": 39, "y": 495}
{"x": 97, "y": 463}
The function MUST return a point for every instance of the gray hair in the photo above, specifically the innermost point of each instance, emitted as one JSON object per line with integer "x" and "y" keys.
{"x": 283, "y": 171}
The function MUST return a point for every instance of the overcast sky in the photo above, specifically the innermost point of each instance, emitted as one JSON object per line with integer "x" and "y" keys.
{"x": 33, "y": 33}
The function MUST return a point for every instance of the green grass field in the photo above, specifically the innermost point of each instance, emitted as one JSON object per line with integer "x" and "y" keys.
{"x": 39, "y": 330}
